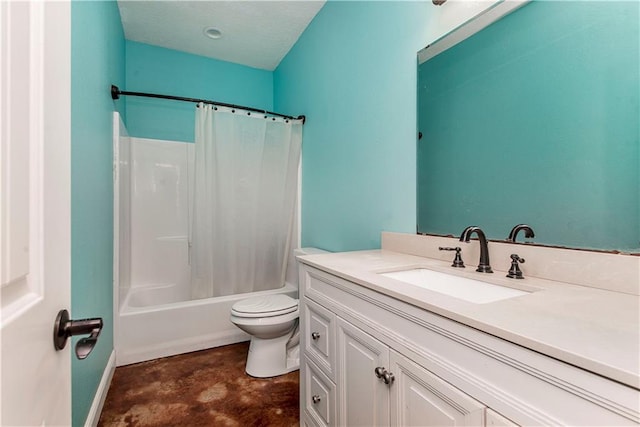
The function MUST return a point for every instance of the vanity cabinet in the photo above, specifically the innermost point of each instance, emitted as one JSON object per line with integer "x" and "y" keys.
{"x": 373, "y": 360}
{"x": 377, "y": 385}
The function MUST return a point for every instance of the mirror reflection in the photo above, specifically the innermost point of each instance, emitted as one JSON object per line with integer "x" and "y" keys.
{"x": 535, "y": 119}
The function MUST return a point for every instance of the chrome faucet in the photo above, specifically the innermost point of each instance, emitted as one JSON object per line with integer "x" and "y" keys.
{"x": 483, "y": 266}
{"x": 528, "y": 232}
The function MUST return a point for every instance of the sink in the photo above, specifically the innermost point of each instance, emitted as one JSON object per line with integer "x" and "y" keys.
{"x": 455, "y": 286}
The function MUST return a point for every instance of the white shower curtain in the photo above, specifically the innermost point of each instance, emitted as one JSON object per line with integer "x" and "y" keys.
{"x": 246, "y": 172}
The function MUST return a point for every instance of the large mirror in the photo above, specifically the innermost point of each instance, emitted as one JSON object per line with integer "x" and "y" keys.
{"x": 535, "y": 119}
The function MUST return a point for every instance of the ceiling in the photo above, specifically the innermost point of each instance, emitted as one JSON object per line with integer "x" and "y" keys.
{"x": 256, "y": 33}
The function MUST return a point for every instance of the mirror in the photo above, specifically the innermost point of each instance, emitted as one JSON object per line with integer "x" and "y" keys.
{"x": 535, "y": 119}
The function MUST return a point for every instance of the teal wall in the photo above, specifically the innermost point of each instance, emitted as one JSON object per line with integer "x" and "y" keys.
{"x": 154, "y": 69}
{"x": 536, "y": 119}
{"x": 353, "y": 73}
{"x": 97, "y": 60}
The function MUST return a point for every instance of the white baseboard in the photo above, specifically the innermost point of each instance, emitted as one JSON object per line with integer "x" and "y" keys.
{"x": 101, "y": 393}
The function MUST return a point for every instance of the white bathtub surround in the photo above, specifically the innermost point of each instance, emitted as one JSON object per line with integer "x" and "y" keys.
{"x": 559, "y": 354}
{"x": 160, "y": 174}
{"x": 246, "y": 170}
{"x": 153, "y": 316}
{"x": 121, "y": 209}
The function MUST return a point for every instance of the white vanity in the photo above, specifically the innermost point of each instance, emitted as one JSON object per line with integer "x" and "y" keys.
{"x": 563, "y": 349}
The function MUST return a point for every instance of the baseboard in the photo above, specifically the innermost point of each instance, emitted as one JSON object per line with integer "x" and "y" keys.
{"x": 101, "y": 393}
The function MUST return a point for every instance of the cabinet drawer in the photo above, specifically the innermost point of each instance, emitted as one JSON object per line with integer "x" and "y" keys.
{"x": 319, "y": 336}
{"x": 319, "y": 396}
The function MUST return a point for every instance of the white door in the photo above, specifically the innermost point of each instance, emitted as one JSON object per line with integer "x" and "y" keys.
{"x": 363, "y": 398}
{"x": 420, "y": 398}
{"x": 35, "y": 224}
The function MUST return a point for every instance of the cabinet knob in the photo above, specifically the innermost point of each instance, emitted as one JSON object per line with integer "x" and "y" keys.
{"x": 315, "y": 335}
{"x": 388, "y": 378}
{"x": 315, "y": 398}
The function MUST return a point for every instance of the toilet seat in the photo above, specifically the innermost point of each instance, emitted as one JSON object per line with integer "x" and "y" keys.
{"x": 265, "y": 306}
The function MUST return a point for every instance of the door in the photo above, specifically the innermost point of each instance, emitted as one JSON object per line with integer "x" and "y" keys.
{"x": 35, "y": 42}
{"x": 420, "y": 398}
{"x": 363, "y": 396}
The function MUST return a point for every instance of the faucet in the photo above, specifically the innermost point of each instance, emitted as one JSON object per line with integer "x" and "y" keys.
{"x": 483, "y": 266}
{"x": 528, "y": 232}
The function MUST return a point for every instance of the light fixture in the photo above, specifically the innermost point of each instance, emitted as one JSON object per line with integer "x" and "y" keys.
{"x": 212, "y": 33}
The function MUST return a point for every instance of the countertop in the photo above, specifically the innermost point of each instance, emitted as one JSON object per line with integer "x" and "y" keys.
{"x": 594, "y": 329}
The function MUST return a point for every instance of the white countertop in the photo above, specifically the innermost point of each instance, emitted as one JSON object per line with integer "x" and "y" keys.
{"x": 594, "y": 329}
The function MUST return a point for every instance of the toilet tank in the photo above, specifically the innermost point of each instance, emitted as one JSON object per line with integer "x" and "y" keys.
{"x": 292, "y": 267}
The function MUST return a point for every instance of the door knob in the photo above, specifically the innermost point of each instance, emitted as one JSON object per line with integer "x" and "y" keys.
{"x": 64, "y": 328}
{"x": 315, "y": 336}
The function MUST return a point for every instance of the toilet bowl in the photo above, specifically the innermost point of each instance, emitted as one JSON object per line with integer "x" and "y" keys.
{"x": 272, "y": 322}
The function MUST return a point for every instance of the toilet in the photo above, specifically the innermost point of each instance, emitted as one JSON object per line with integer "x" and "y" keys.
{"x": 272, "y": 322}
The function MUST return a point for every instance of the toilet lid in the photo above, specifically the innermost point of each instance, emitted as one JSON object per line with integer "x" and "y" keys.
{"x": 265, "y": 306}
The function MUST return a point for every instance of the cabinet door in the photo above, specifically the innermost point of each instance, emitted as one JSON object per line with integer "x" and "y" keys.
{"x": 363, "y": 398}
{"x": 419, "y": 398}
{"x": 496, "y": 420}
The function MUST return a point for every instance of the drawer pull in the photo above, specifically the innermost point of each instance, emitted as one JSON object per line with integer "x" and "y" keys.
{"x": 315, "y": 336}
{"x": 316, "y": 399}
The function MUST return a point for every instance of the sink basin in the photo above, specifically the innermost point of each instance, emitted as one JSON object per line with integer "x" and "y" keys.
{"x": 455, "y": 286}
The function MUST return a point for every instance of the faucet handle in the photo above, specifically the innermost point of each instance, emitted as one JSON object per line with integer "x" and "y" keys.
{"x": 514, "y": 271}
{"x": 457, "y": 261}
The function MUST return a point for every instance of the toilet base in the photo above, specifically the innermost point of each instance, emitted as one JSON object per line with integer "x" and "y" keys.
{"x": 270, "y": 357}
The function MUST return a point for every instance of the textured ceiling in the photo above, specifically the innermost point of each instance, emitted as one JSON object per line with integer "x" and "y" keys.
{"x": 254, "y": 33}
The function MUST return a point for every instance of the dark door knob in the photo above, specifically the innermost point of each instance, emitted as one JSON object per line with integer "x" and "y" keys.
{"x": 64, "y": 328}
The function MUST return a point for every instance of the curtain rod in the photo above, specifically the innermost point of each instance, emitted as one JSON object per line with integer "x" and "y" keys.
{"x": 116, "y": 92}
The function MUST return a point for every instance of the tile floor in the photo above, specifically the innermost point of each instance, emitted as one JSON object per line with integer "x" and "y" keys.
{"x": 204, "y": 388}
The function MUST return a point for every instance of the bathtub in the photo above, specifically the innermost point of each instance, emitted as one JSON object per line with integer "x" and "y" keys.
{"x": 149, "y": 327}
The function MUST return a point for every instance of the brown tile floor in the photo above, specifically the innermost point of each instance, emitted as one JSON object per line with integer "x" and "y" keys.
{"x": 204, "y": 388}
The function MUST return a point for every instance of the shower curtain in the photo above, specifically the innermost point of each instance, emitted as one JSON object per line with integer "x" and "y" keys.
{"x": 245, "y": 185}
